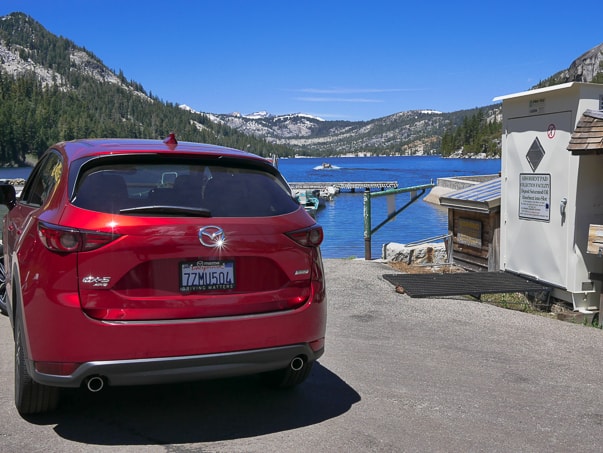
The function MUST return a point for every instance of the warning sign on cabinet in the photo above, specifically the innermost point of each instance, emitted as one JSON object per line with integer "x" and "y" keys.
{"x": 535, "y": 196}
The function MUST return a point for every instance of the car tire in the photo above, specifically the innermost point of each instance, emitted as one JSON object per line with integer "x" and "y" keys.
{"x": 3, "y": 306}
{"x": 287, "y": 377}
{"x": 30, "y": 396}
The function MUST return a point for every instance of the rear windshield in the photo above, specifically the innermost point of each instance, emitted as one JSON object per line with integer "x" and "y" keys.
{"x": 159, "y": 189}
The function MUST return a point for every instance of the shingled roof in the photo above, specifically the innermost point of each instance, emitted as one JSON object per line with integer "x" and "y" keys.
{"x": 587, "y": 138}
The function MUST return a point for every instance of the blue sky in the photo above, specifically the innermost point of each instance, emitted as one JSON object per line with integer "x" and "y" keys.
{"x": 347, "y": 60}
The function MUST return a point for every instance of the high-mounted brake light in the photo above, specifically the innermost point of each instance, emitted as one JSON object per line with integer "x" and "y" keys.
{"x": 308, "y": 237}
{"x": 170, "y": 140}
{"x": 68, "y": 240}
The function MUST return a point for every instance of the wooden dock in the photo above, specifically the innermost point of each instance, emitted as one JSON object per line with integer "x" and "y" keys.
{"x": 339, "y": 186}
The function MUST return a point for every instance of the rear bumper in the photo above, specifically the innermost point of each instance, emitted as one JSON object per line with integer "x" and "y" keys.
{"x": 180, "y": 369}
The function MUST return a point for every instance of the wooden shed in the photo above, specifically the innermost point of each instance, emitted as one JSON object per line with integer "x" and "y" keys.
{"x": 474, "y": 223}
{"x": 587, "y": 139}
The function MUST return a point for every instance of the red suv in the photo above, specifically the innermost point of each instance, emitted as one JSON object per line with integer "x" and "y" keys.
{"x": 140, "y": 262}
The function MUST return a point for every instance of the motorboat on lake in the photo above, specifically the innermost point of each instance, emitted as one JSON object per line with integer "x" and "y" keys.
{"x": 326, "y": 166}
{"x": 310, "y": 201}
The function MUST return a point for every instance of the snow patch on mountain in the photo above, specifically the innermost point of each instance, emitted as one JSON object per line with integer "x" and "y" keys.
{"x": 263, "y": 114}
{"x": 12, "y": 63}
{"x": 301, "y": 115}
{"x": 189, "y": 109}
{"x": 92, "y": 67}
{"x": 258, "y": 115}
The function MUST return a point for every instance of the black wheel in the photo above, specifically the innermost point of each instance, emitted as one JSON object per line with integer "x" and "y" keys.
{"x": 30, "y": 397}
{"x": 3, "y": 308}
{"x": 293, "y": 375}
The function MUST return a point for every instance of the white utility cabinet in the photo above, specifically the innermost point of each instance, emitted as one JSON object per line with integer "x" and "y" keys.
{"x": 549, "y": 197}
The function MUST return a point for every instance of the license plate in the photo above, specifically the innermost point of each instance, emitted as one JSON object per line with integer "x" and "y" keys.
{"x": 207, "y": 275}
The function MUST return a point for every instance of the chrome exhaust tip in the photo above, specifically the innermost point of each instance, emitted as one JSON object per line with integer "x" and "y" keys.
{"x": 297, "y": 363}
{"x": 95, "y": 383}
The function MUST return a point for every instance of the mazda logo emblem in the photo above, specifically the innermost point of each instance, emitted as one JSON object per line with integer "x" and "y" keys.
{"x": 212, "y": 236}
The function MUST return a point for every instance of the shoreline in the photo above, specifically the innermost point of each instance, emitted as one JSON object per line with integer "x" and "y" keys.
{"x": 480, "y": 156}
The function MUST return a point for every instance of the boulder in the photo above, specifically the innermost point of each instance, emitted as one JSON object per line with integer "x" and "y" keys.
{"x": 431, "y": 253}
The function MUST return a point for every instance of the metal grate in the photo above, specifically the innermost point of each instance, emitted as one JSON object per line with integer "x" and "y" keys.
{"x": 464, "y": 283}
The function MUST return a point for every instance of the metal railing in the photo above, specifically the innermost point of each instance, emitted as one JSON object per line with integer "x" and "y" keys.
{"x": 416, "y": 192}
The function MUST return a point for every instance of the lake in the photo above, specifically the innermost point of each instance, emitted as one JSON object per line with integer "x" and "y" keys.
{"x": 343, "y": 218}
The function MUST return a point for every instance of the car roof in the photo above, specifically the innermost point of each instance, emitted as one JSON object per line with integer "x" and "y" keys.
{"x": 77, "y": 149}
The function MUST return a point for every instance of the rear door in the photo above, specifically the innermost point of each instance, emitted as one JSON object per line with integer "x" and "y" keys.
{"x": 192, "y": 239}
{"x": 21, "y": 222}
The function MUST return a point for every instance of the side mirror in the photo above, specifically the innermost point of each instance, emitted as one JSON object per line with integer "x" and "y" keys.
{"x": 8, "y": 195}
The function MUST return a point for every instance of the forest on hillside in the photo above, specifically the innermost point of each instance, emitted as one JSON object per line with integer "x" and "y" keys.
{"x": 476, "y": 134}
{"x": 33, "y": 117}
{"x": 75, "y": 104}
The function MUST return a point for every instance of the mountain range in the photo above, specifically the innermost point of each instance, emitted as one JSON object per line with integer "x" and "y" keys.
{"x": 415, "y": 132}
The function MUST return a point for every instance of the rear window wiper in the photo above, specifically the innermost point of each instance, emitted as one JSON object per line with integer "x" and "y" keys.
{"x": 169, "y": 210}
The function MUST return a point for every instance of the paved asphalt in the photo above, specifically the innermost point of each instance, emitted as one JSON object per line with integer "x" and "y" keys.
{"x": 399, "y": 374}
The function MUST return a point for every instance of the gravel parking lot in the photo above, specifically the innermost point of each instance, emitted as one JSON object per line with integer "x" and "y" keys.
{"x": 398, "y": 374}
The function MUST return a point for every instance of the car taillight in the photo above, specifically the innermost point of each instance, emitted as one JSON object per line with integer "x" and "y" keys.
{"x": 58, "y": 368}
{"x": 67, "y": 240}
{"x": 308, "y": 237}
